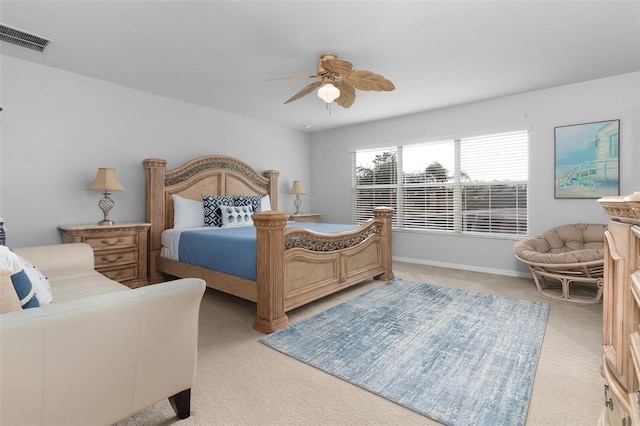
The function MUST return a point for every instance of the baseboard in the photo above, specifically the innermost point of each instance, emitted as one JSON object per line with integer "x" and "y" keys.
{"x": 463, "y": 267}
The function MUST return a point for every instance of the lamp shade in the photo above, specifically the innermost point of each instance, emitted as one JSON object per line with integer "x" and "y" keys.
{"x": 106, "y": 180}
{"x": 297, "y": 187}
{"x": 328, "y": 92}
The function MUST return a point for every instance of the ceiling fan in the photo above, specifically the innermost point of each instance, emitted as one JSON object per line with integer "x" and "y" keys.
{"x": 337, "y": 81}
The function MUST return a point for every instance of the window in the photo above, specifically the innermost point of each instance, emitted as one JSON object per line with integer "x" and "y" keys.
{"x": 472, "y": 185}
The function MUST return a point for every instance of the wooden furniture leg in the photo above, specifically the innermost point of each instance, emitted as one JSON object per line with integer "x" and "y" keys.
{"x": 181, "y": 403}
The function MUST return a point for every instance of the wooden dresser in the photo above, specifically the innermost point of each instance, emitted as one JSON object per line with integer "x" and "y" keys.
{"x": 621, "y": 311}
{"x": 120, "y": 250}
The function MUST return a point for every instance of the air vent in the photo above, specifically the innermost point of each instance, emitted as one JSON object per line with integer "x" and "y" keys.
{"x": 21, "y": 38}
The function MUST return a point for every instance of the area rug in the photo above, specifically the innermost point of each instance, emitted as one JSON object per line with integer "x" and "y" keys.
{"x": 458, "y": 357}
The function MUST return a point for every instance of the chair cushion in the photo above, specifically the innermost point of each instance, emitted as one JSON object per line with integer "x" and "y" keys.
{"x": 575, "y": 243}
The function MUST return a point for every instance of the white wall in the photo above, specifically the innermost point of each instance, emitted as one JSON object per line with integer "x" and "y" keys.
{"x": 57, "y": 128}
{"x": 540, "y": 111}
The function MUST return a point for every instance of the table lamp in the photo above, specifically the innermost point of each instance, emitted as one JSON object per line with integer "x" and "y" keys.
{"x": 106, "y": 181}
{"x": 297, "y": 189}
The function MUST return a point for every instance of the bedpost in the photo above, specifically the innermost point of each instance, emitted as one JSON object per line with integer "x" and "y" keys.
{"x": 270, "y": 271}
{"x": 272, "y": 175}
{"x": 155, "y": 214}
{"x": 385, "y": 214}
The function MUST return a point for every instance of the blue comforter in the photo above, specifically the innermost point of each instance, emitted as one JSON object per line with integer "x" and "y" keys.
{"x": 233, "y": 250}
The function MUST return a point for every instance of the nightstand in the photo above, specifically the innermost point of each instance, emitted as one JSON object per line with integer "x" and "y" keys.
{"x": 305, "y": 217}
{"x": 120, "y": 250}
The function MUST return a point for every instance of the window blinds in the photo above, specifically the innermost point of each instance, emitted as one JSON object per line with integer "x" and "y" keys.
{"x": 467, "y": 185}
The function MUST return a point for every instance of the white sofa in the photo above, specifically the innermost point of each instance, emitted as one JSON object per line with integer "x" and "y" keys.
{"x": 100, "y": 351}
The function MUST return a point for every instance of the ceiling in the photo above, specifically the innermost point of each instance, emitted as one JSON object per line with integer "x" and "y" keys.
{"x": 221, "y": 54}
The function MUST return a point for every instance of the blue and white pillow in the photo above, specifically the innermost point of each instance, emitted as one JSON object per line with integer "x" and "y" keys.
{"x": 31, "y": 286}
{"x": 233, "y": 216}
{"x": 39, "y": 282}
{"x": 211, "y": 204}
{"x": 24, "y": 289}
{"x": 254, "y": 200}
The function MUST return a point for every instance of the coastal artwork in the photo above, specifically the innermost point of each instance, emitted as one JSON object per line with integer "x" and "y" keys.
{"x": 587, "y": 160}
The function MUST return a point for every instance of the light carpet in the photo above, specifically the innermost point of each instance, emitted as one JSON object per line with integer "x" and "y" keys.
{"x": 456, "y": 356}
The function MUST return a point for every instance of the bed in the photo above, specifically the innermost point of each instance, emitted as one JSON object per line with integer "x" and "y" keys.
{"x": 294, "y": 265}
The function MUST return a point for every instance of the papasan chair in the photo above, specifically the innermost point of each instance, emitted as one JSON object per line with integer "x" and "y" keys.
{"x": 567, "y": 261}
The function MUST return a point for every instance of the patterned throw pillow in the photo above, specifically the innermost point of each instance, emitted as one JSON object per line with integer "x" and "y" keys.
{"x": 233, "y": 216}
{"x": 254, "y": 200}
{"x": 39, "y": 282}
{"x": 31, "y": 286}
{"x": 24, "y": 290}
{"x": 211, "y": 204}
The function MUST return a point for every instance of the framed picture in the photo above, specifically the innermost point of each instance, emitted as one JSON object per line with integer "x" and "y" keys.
{"x": 587, "y": 160}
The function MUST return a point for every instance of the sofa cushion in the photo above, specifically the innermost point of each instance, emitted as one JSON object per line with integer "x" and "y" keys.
{"x": 67, "y": 286}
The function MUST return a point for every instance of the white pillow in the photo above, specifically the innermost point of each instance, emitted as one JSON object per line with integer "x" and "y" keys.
{"x": 265, "y": 203}
{"x": 233, "y": 216}
{"x": 187, "y": 213}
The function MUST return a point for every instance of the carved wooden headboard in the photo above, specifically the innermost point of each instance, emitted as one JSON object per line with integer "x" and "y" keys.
{"x": 212, "y": 174}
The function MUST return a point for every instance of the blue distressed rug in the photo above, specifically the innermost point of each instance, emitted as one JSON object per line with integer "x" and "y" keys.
{"x": 458, "y": 357}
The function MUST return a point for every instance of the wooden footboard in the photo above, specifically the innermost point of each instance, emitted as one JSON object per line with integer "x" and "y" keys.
{"x": 297, "y": 266}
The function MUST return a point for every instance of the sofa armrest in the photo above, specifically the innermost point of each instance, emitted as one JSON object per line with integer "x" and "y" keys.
{"x": 98, "y": 359}
{"x": 73, "y": 257}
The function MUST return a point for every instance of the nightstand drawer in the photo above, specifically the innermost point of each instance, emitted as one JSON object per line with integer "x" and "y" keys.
{"x": 116, "y": 257}
{"x": 104, "y": 242}
{"x": 122, "y": 275}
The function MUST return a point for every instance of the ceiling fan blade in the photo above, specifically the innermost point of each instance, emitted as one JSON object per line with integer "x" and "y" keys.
{"x": 294, "y": 77}
{"x": 305, "y": 91}
{"x": 339, "y": 67}
{"x": 367, "y": 80}
{"x": 347, "y": 94}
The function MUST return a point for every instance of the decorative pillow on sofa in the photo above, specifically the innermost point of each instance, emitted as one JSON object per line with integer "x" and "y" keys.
{"x": 187, "y": 213}
{"x": 24, "y": 289}
{"x": 254, "y": 200}
{"x": 9, "y": 301}
{"x": 39, "y": 282}
{"x": 32, "y": 288}
{"x": 211, "y": 204}
{"x": 233, "y": 216}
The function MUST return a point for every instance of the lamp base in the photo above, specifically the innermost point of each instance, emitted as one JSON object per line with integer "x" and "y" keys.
{"x": 297, "y": 202}
{"x": 107, "y": 222}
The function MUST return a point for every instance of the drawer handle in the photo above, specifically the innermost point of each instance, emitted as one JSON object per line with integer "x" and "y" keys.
{"x": 638, "y": 398}
{"x": 608, "y": 402}
{"x": 116, "y": 275}
{"x": 107, "y": 242}
{"x": 113, "y": 259}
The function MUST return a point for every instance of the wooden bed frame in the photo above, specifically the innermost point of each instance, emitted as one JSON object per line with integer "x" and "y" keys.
{"x": 294, "y": 266}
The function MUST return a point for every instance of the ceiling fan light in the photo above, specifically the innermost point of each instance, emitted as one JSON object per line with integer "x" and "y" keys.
{"x": 328, "y": 92}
